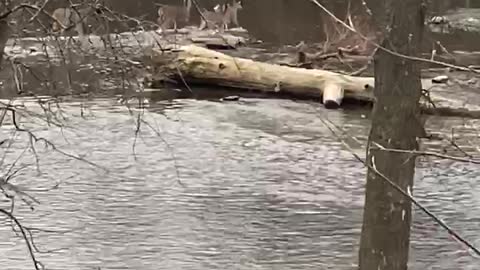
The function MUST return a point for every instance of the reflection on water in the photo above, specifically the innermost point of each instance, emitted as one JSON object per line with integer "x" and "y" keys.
{"x": 256, "y": 184}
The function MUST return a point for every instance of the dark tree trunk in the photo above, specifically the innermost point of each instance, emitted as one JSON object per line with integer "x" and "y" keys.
{"x": 4, "y": 35}
{"x": 395, "y": 124}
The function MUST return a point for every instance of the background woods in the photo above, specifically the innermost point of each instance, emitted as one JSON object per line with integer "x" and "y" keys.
{"x": 275, "y": 21}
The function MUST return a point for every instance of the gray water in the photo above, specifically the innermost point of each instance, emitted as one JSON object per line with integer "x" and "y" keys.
{"x": 255, "y": 184}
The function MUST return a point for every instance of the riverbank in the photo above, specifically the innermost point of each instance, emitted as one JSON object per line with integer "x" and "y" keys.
{"x": 131, "y": 53}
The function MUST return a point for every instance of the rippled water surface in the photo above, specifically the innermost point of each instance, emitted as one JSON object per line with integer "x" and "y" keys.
{"x": 255, "y": 184}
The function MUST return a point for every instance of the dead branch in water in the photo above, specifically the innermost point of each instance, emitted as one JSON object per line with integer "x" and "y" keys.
{"x": 378, "y": 46}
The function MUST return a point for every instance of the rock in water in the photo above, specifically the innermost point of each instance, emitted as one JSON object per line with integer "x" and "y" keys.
{"x": 440, "y": 79}
{"x": 230, "y": 98}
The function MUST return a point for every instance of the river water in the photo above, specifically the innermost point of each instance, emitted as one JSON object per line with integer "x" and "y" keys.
{"x": 253, "y": 184}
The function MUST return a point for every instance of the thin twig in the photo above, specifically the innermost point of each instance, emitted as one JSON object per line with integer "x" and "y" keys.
{"x": 413, "y": 58}
{"x": 427, "y": 153}
{"x": 25, "y": 237}
{"x": 406, "y": 194}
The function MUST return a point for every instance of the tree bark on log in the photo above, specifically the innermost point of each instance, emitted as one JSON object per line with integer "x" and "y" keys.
{"x": 387, "y": 216}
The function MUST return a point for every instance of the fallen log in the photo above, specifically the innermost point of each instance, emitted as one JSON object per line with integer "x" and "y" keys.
{"x": 196, "y": 65}
{"x": 201, "y": 65}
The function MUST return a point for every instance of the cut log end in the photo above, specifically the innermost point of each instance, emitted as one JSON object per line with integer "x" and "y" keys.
{"x": 331, "y": 104}
{"x": 332, "y": 95}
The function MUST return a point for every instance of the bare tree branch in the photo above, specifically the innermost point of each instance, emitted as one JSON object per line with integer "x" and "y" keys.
{"x": 418, "y": 59}
{"x": 427, "y": 153}
{"x": 25, "y": 237}
{"x": 407, "y": 194}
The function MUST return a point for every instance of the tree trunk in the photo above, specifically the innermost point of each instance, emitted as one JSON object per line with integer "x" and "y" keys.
{"x": 395, "y": 124}
{"x": 4, "y": 35}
